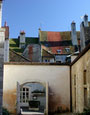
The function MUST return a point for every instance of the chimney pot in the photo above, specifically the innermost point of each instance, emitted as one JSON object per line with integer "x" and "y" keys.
{"x": 86, "y": 20}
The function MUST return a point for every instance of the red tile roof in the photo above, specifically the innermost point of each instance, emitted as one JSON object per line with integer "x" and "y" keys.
{"x": 54, "y": 36}
{"x": 53, "y": 41}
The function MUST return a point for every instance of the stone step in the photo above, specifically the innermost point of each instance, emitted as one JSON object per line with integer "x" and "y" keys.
{"x": 31, "y": 113}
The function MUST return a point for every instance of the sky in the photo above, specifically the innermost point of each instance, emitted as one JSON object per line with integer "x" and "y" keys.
{"x": 49, "y": 15}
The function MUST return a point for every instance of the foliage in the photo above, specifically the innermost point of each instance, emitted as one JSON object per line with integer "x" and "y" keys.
{"x": 86, "y": 112}
{"x": 5, "y": 111}
{"x": 14, "y": 45}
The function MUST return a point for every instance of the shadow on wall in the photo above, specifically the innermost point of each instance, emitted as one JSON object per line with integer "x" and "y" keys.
{"x": 55, "y": 105}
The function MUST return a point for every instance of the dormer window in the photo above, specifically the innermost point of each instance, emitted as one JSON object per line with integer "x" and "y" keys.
{"x": 67, "y": 49}
{"x": 58, "y": 51}
{"x": 46, "y": 45}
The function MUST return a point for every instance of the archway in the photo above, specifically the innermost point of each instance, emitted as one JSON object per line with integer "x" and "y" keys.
{"x": 32, "y": 96}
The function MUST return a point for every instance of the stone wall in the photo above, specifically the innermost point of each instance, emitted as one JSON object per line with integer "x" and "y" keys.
{"x": 80, "y": 72}
{"x": 57, "y": 77}
{"x": 6, "y": 50}
{"x": 2, "y": 38}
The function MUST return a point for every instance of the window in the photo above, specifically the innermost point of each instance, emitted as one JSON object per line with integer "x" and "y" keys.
{"x": 74, "y": 80}
{"x": 85, "y": 97}
{"x": 67, "y": 49}
{"x": 85, "y": 87}
{"x": 75, "y": 97}
{"x": 75, "y": 91}
{"x": 47, "y": 45}
{"x": 46, "y": 60}
{"x": 58, "y": 51}
{"x": 84, "y": 78}
{"x": 24, "y": 95}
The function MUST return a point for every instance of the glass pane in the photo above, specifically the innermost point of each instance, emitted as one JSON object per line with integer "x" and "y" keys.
{"x": 23, "y": 93}
{"x": 27, "y": 89}
{"x": 23, "y": 89}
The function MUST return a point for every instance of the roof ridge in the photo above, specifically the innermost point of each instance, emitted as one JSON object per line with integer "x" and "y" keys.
{"x": 48, "y": 52}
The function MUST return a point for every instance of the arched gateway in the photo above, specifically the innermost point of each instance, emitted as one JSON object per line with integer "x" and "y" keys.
{"x": 32, "y": 96}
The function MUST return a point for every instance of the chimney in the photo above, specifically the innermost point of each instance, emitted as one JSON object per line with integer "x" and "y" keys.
{"x": 74, "y": 35}
{"x": 6, "y": 43}
{"x": 5, "y": 24}
{"x": 22, "y": 39}
{"x": 85, "y": 20}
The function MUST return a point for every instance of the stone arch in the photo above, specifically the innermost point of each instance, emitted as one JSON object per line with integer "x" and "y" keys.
{"x": 33, "y": 81}
{"x": 45, "y": 84}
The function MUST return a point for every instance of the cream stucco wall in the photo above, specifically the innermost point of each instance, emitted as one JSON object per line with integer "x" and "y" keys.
{"x": 57, "y": 77}
{"x": 78, "y": 68}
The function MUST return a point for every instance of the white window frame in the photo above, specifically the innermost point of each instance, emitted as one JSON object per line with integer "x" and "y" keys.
{"x": 22, "y": 102}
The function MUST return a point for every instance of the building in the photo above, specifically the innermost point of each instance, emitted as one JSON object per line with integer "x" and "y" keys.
{"x": 28, "y": 47}
{"x": 6, "y": 43}
{"x": 48, "y": 46}
{"x": 84, "y": 32}
{"x": 54, "y": 78}
{"x": 80, "y": 81}
{"x": 45, "y": 87}
{"x": 58, "y": 44}
{"x": 65, "y": 87}
{"x": 2, "y": 38}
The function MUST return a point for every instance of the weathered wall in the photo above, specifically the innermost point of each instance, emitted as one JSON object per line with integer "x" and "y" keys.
{"x": 56, "y": 75}
{"x": 73, "y": 57}
{"x": 2, "y": 38}
{"x": 6, "y": 50}
{"x": 78, "y": 68}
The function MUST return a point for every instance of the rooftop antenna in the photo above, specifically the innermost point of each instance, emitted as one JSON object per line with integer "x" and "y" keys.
{"x": 40, "y": 25}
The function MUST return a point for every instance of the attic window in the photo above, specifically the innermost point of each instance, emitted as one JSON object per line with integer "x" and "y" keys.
{"x": 58, "y": 51}
{"x": 67, "y": 49}
{"x": 46, "y": 45}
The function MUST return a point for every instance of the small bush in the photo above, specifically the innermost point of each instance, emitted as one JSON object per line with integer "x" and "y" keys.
{"x": 5, "y": 111}
{"x": 86, "y": 112}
